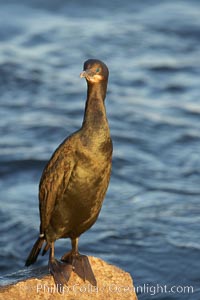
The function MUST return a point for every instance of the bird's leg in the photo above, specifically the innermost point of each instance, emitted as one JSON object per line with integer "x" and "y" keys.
{"x": 80, "y": 263}
{"x": 61, "y": 272}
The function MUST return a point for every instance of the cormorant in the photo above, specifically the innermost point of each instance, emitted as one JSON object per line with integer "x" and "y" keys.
{"x": 74, "y": 182}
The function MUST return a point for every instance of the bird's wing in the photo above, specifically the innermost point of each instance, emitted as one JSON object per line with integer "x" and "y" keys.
{"x": 54, "y": 182}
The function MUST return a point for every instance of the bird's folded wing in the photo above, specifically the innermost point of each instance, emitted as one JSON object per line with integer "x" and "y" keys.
{"x": 54, "y": 182}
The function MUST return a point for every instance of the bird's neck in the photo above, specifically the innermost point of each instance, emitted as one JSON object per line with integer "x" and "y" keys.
{"x": 95, "y": 113}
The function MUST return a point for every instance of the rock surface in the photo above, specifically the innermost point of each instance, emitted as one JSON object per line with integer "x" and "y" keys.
{"x": 112, "y": 283}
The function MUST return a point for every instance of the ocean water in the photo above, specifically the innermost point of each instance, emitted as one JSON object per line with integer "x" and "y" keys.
{"x": 150, "y": 221}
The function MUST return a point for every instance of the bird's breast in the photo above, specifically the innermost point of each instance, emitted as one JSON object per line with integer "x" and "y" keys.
{"x": 88, "y": 175}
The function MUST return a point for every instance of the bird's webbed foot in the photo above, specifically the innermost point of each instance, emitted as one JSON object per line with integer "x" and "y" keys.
{"x": 80, "y": 265}
{"x": 61, "y": 271}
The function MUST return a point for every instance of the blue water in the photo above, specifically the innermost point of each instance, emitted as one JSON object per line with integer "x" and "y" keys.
{"x": 150, "y": 221}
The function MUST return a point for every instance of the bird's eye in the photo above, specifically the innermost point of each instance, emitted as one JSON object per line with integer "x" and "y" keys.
{"x": 97, "y": 70}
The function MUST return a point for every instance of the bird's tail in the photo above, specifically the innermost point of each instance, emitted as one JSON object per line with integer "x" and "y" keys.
{"x": 35, "y": 251}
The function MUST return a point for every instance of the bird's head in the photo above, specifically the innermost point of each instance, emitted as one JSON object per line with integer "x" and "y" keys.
{"x": 95, "y": 71}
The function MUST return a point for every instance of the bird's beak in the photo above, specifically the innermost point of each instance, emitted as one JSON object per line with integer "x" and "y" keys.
{"x": 87, "y": 74}
{"x": 90, "y": 76}
{"x": 83, "y": 74}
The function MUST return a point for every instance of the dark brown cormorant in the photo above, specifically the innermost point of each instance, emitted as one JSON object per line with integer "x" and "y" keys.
{"x": 74, "y": 182}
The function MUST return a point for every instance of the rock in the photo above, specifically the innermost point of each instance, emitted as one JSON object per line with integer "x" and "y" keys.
{"x": 112, "y": 283}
